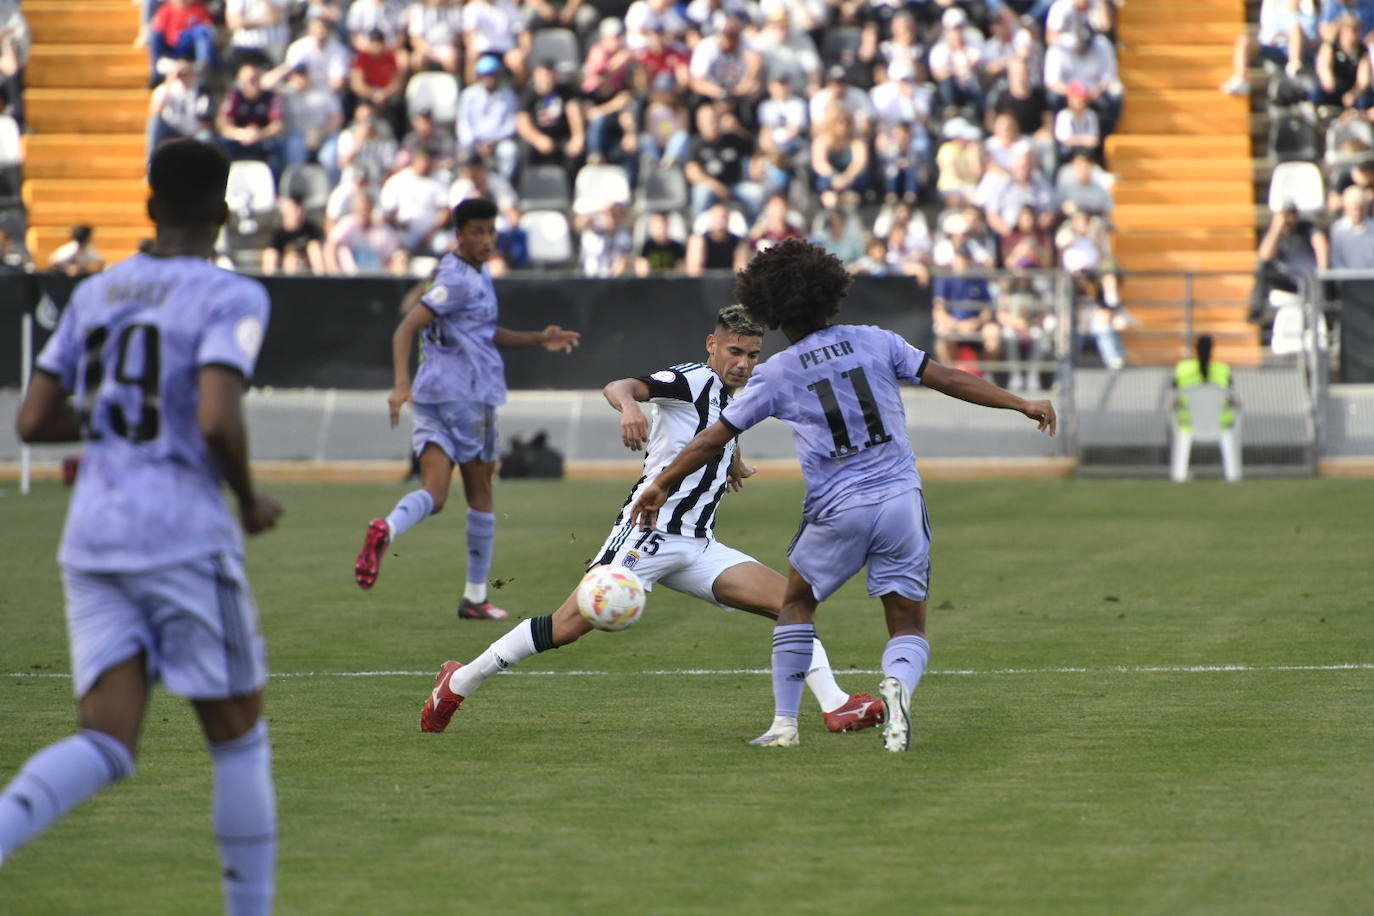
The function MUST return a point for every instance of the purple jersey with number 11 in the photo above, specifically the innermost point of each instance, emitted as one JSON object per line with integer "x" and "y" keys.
{"x": 839, "y": 389}
{"x": 129, "y": 348}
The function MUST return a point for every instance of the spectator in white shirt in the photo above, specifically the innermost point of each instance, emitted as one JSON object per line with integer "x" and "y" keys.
{"x": 325, "y": 58}
{"x": 782, "y": 120}
{"x": 366, "y": 16}
{"x": 180, "y": 107}
{"x": 476, "y": 180}
{"x": 787, "y": 51}
{"x": 1076, "y": 127}
{"x": 486, "y": 118}
{"x": 312, "y": 118}
{"x": 435, "y": 28}
{"x": 1066, "y": 17}
{"x": 1287, "y": 37}
{"x": 645, "y": 16}
{"x": 1005, "y": 144}
{"x": 257, "y": 30}
{"x": 1003, "y": 196}
{"x": 839, "y": 95}
{"x": 725, "y": 67}
{"x": 605, "y": 244}
{"x": 415, "y": 203}
{"x": 495, "y": 27}
{"x": 1352, "y": 235}
{"x": 901, "y": 99}
{"x": 954, "y": 62}
{"x": 360, "y": 241}
{"x": 1091, "y": 61}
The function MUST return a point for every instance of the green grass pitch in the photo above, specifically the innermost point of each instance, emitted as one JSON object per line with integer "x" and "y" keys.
{"x": 1142, "y": 699}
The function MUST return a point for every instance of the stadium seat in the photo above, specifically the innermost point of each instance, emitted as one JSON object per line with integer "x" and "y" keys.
{"x": 550, "y": 239}
{"x": 663, "y": 190}
{"x": 1297, "y": 184}
{"x": 1293, "y": 139}
{"x": 309, "y": 182}
{"x": 544, "y": 187}
{"x": 1286, "y": 91}
{"x": 677, "y": 229}
{"x": 422, "y": 265}
{"x": 434, "y": 92}
{"x": 601, "y": 184}
{"x": 841, "y": 44}
{"x": 558, "y": 47}
{"x": 11, "y": 161}
{"x": 251, "y": 195}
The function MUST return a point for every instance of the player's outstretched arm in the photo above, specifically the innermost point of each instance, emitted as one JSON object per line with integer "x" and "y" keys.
{"x": 402, "y": 345}
{"x": 219, "y": 414}
{"x": 971, "y": 388}
{"x": 707, "y": 445}
{"x": 553, "y": 338}
{"x": 46, "y": 415}
{"x": 624, "y": 395}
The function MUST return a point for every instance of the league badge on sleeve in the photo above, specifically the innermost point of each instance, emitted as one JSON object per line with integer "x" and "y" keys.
{"x": 248, "y": 335}
{"x": 666, "y": 376}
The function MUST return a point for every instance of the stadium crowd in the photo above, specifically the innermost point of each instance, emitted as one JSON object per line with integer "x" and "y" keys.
{"x": 1320, "y": 98}
{"x": 622, "y": 138}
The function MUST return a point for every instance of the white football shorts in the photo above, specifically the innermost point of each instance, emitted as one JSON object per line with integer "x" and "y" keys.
{"x": 685, "y": 564}
{"x": 196, "y": 621}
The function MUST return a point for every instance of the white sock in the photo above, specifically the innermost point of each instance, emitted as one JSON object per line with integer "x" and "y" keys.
{"x": 821, "y": 680}
{"x": 476, "y": 592}
{"x": 511, "y": 649}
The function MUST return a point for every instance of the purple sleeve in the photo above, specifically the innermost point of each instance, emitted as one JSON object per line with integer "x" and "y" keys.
{"x": 234, "y": 334}
{"x": 908, "y": 362}
{"x": 60, "y": 354}
{"x": 753, "y": 406}
{"x": 445, "y": 294}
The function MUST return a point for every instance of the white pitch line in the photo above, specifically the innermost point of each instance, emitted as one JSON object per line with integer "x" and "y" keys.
{"x": 724, "y": 672}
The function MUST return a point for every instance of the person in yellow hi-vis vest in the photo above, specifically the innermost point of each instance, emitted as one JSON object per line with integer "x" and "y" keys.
{"x": 1204, "y": 411}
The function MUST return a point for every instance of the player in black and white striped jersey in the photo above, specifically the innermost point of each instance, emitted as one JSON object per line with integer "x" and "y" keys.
{"x": 681, "y": 552}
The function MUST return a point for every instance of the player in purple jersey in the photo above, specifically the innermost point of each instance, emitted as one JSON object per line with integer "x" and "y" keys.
{"x": 837, "y": 387}
{"x": 684, "y": 554}
{"x": 148, "y": 366}
{"x": 460, "y": 383}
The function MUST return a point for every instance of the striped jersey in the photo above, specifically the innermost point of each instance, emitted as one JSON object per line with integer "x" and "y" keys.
{"x": 688, "y": 399}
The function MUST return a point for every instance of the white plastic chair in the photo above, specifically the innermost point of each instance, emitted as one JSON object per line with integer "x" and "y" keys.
{"x": 251, "y": 187}
{"x": 738, "y": 225}
{"x": 598, "y": 185}
{"x": 434, "y": 92}
{"x": 1297, "y": 184}
{"x": 11, "y": 150}
{"x": 1205, "y": 405}
{"x": 550, "y": 239}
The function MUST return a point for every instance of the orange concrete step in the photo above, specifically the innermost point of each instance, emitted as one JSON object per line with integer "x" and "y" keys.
{"x": 1154, "y": 352}
{"x": 1173, "y": 55}
{"x": 74, "y": 146}
{"x": 1167, "y": 168}
{"x": 1202, "y": 101}
{"x": 113, "y": 242}
{"x": 87, "y": 110}
{"x": 1170, "y": 216}
{"x": 84, "y": 66}
{"x": 1188, "y": 260}
{"x": 1190, "y": 32}
{"x": 45, "y": 191}
{"x": 1139, "y": 79}
{"x": 1193, "y": 239}
{"x": 1135, "y": 191}
{"x": 1157, "y": 12}
{"x": 1228, "y": 288}
{"x": 1214, "y": 144}
{"x": 86, "y": 22}
{"x": 68, "y": 213}
{"x": 127, "y": 168}
{"x": 1154, "y": 315}
{"x": 1144, "y": 121}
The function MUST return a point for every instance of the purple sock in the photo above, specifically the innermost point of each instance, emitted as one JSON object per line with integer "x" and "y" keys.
{"x": 56, "y": 780}
{"x": 791, "y": 661}
{"x": 481, "y": 532}
{"x": 905, "y": 659}
{"x": 413, "y": 508}
{"x": 245, "y": 818}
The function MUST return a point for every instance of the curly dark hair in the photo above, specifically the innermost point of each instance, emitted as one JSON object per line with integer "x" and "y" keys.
{"x": 794, "y": 285}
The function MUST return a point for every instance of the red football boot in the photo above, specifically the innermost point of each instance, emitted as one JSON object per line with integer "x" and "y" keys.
{"x": 862, "y": 711}
{"x": 484, "y": 611}
{"x": 369, "y": 561}
{"x": 442, "y": 702}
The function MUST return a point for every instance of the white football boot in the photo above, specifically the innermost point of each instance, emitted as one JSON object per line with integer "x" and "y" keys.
{"x": 897, "y": 709}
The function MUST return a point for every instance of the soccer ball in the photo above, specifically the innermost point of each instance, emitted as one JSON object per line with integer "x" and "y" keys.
{"x": 610, "y": 598}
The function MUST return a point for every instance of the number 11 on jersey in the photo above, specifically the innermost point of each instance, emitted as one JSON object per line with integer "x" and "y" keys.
{"x": 839, "y": 430}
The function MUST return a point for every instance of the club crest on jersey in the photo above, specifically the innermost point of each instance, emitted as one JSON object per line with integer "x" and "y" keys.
{"x": 663, "y": 375}
{"x": 631, "y": 558}
{"x": 248, "y": 335}
{"x": 438, "y": 294}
